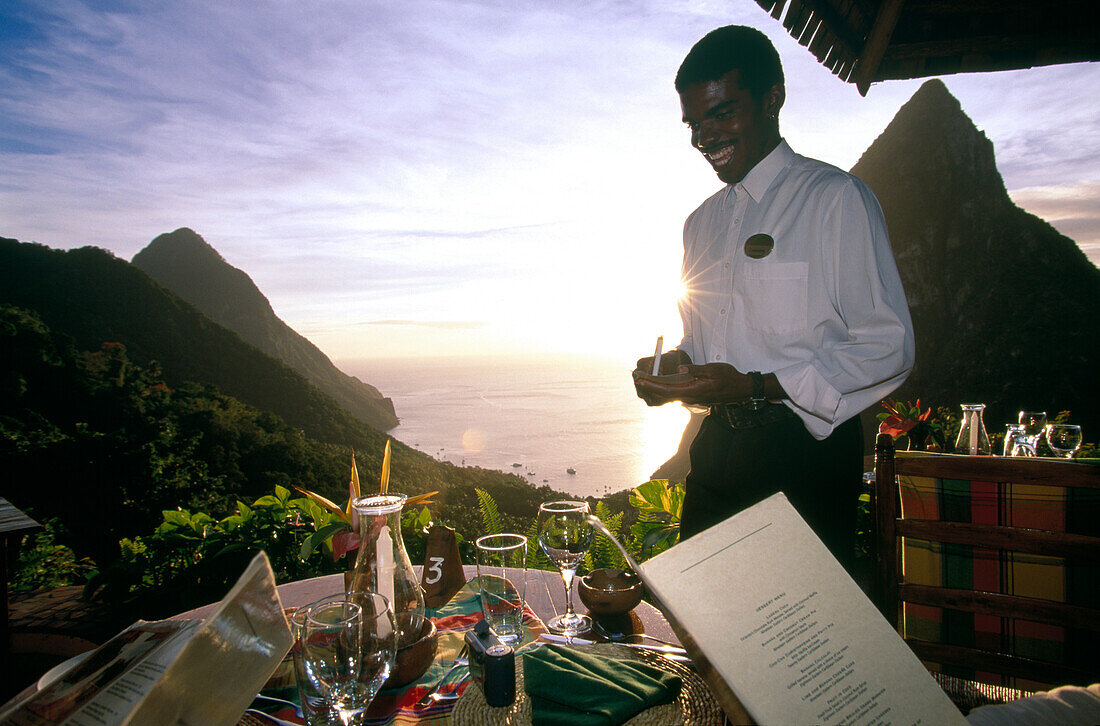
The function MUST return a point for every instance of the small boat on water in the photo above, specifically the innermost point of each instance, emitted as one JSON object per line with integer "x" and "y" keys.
{"x": 570, "y": 470}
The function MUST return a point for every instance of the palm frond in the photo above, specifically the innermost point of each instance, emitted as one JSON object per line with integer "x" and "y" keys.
{"x": 490, "y": 515}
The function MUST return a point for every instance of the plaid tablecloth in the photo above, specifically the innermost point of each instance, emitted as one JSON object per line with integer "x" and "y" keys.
{"x": 396, "y": 706}
{"x": 984, "y": 502}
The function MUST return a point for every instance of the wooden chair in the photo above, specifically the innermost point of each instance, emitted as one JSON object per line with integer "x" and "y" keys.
{"x": 1021, "y": 526}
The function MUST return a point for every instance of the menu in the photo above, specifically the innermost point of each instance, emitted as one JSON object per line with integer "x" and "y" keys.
{"x": 771, "y": 615}
{"x": 172, "y": 672}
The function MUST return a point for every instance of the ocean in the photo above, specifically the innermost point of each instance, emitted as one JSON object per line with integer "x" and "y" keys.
{"x": 538, "y": 418}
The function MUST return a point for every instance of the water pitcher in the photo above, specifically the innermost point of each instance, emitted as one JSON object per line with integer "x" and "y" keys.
{"x": 973, "y": 438}
{"x": 383, "y": 566}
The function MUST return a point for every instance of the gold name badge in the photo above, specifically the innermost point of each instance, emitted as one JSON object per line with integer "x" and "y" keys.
{"x": 759, "y": 246}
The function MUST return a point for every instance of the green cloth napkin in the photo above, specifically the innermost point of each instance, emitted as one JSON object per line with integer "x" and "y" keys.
{"x": 570, "y": 688}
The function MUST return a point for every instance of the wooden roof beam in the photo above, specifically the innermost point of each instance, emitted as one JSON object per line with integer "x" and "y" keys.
{"x": 877, "y": 41}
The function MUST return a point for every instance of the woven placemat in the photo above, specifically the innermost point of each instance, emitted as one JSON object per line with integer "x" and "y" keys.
{"x": 694, "y": 707}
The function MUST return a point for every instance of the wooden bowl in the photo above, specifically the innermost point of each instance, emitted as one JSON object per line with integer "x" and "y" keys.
{"x": 414, "y": 659}
{"x": 610, "y": 592}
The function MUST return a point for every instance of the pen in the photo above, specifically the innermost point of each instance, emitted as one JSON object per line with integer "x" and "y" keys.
{"x": 657, "y": 355}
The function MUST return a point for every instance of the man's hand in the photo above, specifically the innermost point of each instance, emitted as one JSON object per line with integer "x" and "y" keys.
{"x": 712, "y": 383}
{"x": 670, "y": 362}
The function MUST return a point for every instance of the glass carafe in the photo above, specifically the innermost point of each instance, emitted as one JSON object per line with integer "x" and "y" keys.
{"x": 973, "y": 438}
{"x": 383, "y": 566}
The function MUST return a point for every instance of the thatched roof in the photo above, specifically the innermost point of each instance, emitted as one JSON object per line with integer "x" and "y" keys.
{"x": 863, "y": 41}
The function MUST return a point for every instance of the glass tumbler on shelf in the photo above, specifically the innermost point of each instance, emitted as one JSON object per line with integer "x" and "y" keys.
{"x": 1034, "y": 423}
{"x": 1064, "y": 439}
{"x": 1014, "y": 443}
{"x": 564, "y": 536}
{"x": 973, "y": 438}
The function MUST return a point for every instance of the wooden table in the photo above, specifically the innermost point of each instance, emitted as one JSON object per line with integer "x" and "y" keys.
{"x": 13, "y": 526}
{"x": 545, "y": 596}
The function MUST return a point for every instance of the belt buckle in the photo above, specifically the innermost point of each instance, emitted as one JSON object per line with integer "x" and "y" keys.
{"x": 736, "y": 422}
{"x": 746, "y": 416}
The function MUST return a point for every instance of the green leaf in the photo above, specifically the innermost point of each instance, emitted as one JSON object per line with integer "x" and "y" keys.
{"x": 490, "y": 516}
{"x": 178, "y": 517}
{"x": 319, "y": 537}
{"x": 267, "y": 500}
{"x": 229, "y": 549}
{"x": 659, "y": 536}
{"x": 651, "y": 496}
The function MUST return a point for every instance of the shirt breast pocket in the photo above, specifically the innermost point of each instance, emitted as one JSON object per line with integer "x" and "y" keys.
{"x": 774, "y": 296}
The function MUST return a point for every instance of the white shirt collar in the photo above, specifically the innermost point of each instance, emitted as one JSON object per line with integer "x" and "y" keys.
{"x": 761, "y": 176}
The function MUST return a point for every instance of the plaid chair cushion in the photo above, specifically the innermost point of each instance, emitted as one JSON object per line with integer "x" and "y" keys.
{"x": 1000, "y": 571}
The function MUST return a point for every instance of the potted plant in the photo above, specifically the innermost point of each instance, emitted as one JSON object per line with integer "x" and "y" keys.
{"x": 906, "y": 420}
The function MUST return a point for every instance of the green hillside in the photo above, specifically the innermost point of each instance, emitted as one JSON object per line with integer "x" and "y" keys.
{"x": 120, "y": 400}
{"x": 184, "y": 263}
{"x": 94, "y": 297}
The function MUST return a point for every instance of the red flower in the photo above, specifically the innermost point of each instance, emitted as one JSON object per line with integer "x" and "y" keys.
{"x": 902, "y": 417}
{"x": 344, "y": 542}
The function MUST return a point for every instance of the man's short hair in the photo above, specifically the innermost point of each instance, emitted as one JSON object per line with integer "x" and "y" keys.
{"x": 733, "y": 47}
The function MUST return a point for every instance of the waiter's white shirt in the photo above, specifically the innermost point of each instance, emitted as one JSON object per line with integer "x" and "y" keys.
{"x": 824, "y": 310}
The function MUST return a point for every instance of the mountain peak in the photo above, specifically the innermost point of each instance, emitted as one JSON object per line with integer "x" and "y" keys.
{"x": 931, "y": 144}
{"x": 182, "y": 244}
{"x": 995, "y": 293}
{"x": 186, "y": 264}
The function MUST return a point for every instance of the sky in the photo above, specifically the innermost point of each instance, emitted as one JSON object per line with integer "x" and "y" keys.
{"x": 451, "y": 177}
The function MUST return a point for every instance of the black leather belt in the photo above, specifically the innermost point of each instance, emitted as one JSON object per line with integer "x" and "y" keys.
{"x": 744, "y": 416}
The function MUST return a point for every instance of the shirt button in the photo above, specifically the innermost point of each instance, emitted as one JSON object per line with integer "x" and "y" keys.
{"x": 737, "y": 221}
{"x": 723, "y": 311}
{"x": 717, "y": 357}
{"x": 727, "y": 265}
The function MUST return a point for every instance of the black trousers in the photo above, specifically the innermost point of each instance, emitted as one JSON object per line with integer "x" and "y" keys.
{"x": 732, "y": 469}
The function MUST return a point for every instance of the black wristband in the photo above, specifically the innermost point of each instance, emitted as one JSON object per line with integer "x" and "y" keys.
{"x": 759, "y": 398}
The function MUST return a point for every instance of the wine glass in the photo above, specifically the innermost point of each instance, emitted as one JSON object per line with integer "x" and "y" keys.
{"x": 564, "y": 535}
{"x": 349, "y": 647}
{"x": 1064, "y": 439}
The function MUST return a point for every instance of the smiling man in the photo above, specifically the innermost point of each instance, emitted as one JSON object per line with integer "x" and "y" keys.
{"x": 794, "y": 319}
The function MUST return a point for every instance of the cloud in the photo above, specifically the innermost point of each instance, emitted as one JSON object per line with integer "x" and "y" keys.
{"x": 1072, "y": 209}
{"x": 513, "y": 163}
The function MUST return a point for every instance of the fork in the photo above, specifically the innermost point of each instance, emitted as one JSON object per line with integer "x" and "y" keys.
{"x": 432, "y": 695}
{"x": 617, "y": 637}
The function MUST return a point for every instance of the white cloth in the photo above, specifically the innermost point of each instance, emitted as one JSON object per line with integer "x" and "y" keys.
{"x": 824, "y": 310}
{"x": 1065, "y": 706}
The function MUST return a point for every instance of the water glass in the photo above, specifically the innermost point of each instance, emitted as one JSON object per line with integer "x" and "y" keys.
{"x": 502, "y": 596}
{"x": 1064, "y": 439}
{"x": 348, "y": 651}
{"x": 1034, "y": 424}
{"x": 316, "y": 710}
{"x": 1015, "y": 445}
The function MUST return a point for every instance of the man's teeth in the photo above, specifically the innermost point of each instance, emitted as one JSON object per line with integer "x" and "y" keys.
{"x": 720, "y": 156}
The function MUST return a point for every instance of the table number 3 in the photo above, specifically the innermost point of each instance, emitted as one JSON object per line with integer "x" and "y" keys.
{"x": 442, "y": 576}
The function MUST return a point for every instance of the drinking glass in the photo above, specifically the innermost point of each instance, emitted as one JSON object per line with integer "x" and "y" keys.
{"x": 1014, "y": 440}
{"x": 348, "y": 651}
{"x": 564, "y": 535}
{"x": 1034, "y": 423}
{"x": 1064, "y": 439}
{"x": 501, "y": 598}
{"x": 316, "y": 710}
